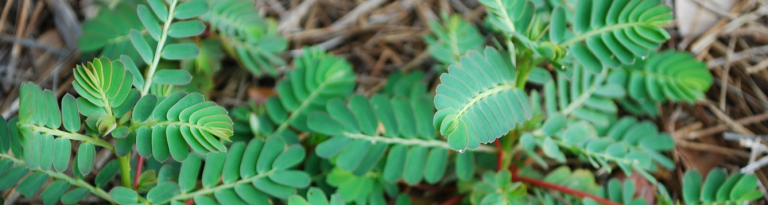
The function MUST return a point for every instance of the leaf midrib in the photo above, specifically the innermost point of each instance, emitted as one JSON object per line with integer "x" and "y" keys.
{"x": 482, "y": 95}
{"x": 409, "y": 142}
{"x": 61, "y": 176}
{"x": 306, "y": 102}
{"x": 584, "y": 36}
{"x": 205, "y": 191}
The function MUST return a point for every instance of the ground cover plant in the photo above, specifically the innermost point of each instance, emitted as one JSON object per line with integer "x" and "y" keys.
{"x": 547, "y": 108}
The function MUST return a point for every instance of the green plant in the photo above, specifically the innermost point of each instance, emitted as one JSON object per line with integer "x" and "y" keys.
{"x": 586, "y": 62}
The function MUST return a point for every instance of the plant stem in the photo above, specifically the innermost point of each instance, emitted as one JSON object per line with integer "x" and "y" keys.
{"x": 139, "y": 166}
{"x": 69, "y": 135}
{"x": 61, "y": 176}
{"x": 125, "y": 167}
{"x": 453, "y": 200}
{"x": 563, "y": 189}
{"x": 499, "y": 155}
{"x": 419, "y": 142}
{"x": 159, "y": 48}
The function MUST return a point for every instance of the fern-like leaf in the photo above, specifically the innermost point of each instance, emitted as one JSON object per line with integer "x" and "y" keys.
{"x": 103, "y": 85}
{"x": 316, "y": 196}
{"x": 583, "y": 95}
{"x": 511, "y": 16}
{"x": 249, "y": 174}
{"x": 411, "y": 85}
{"x": 317, "y": 78}
{"x": 611, "y": 33}
{"x": 164, "y": 127}
{"x": 13, "y": 170}
{"x": 358, "y": 144}
{"x": 718, "y": 188}
{"x": 108, "y": 32}
{"x": 452, "y": 39}
{"x": 38, "y": 131}
{"x": 667, "y": 76}
{"x": 477, "y": 101}
{"x": 630, "y": 145}
{"x": 366, "y": 189}
{"x": 498, "y": 188}
{"x": 247, "y": 36}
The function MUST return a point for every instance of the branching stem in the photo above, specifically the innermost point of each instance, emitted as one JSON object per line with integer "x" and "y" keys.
{"x": 125, "y": 168}
{"x": 205, "y": 191}
{"x": 61, "y": 176}
{"x": 564, "y": 189}
{"x": 69, "y": 135}
{"x": 159, "y": 48}
{"x": 411, "y": 142}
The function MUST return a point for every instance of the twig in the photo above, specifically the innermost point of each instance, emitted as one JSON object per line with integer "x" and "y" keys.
{"x": 726, "y": 70}
{"x": 453, "y": 200}
{"x": 32, "y": 44}
{"x": 16, "y": 49}
{"x": 274, "y": 4}
{"x": 751, "y": 167}
{"x": 563, "y": 189}
{"x": 741, "y": 55}
{"x": 727, "y": 119}
{"x": 353, "y": 15}
{"x": 4, "y": 16}
{"x": 66, "y": 22}
{"x": 711, "y": 148}
{"x": 459, "y": 6}
{"x": 723, "y": 127}
{"x": 291, "y": 20}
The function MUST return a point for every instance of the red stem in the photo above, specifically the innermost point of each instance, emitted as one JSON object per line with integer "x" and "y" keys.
{"x": 189, "y": 202}
{"x": 564, "y": 189}
{"x": 453, "y": 200}
{"x": 431, "y": 188}
{"x": 500, "y": 155}
{"x": 139, "y": 165}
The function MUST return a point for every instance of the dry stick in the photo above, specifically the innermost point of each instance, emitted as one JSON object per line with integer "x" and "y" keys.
{"x": 726, "y": 70}
{"x": 711, "y": 148}
{"x": 29, "y": 43}
{"x": 292, "y": 19}
{"x": 274, "y": 4}
{"x": 6, "y": 9}
{"x": 741, "y": 55}
{"x": 723, "y": 127}
{"x": 722, "y": 27}
{"x": 356, "y": 12}
{"x": 16, "y": 50}
{"x": 728, "y": 120}
{"x": 757, "y": 68}
{"x": 66, "y": 22}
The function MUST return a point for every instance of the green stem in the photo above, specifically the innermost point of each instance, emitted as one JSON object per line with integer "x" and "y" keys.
{"x": 505, "y": 16}
{"x": 125, "y": 169}
{"x": 159, "y": 48}
{"x": 206, "y": 191}
{"x": 125, "y": 162}
{"x": 69, "y": 135}
{"x": 506, "y": 144}
{"x": 302, "y": 106}
{"x": 61, "y": 176}
{"x": 410, "y": 142}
